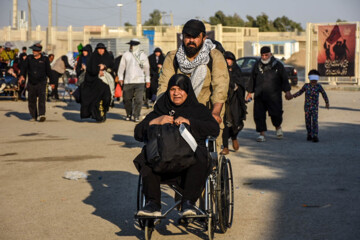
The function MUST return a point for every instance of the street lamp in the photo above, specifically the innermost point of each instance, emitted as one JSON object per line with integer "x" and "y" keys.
{"x": 120, "y": 5}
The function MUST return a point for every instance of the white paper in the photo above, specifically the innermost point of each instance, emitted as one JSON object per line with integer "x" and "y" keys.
{"x": 186, "y": 135}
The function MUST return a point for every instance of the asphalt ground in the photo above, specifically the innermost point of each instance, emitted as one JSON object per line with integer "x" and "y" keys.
{"x": 284, "y": 189}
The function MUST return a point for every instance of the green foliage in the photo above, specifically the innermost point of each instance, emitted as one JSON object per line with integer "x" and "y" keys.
{"x": 340, "y": 20}
{"x": 221, "y": 18}
{"x": 154, "y": 20}
{"x": 127, "y": 24}
{"x": 280, "y": 24}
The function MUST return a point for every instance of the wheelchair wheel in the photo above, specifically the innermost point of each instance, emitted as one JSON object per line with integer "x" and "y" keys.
{"x": 225, "y": 194}
{"x": 149, "y": 228}
{"x": 140, "y": 201}
{"x": 211, "y": 220}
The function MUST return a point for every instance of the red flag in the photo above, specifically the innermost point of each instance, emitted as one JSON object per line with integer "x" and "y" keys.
{"x": 334, "y": 35}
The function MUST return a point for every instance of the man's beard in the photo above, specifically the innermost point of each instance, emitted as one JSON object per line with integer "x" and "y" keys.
{"x": 192, "y": 50}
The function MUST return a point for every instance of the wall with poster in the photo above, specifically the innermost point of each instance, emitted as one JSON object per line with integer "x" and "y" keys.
{"x": 336, "y": 50}
{"x": 333, "y": 49}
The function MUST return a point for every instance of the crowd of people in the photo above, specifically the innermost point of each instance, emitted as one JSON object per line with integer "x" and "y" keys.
{"x": 199, "y": 85}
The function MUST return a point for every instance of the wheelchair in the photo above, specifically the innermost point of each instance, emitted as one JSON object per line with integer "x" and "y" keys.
{"x": 215, "y": 208}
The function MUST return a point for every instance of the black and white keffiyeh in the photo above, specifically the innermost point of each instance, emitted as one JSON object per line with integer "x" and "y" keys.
{"x": 198, "y": 67}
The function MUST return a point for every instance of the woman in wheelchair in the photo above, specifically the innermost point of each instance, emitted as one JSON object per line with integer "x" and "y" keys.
{"x": 178, "y": 105}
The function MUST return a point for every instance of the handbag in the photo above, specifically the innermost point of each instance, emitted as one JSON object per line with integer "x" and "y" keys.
{"x": 118, "y": 91}
{"x": 166, "y": 149}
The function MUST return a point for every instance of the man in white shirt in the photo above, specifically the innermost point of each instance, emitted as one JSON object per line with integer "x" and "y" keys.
{"x": 135, "y": 64}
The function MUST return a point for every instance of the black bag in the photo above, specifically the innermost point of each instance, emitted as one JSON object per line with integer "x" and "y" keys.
{"x": 166, "y": 150}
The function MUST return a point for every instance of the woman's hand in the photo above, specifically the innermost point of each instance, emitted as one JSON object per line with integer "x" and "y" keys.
{"x": 181, "y": 120}
{"x": 164, "y": 119}
{"x": 102, "y": 66}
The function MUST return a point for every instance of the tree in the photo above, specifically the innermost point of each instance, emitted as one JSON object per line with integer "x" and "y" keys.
{"x": 154, "y": 20}
{"x": 218, "y": 18}
{"x": 127, "y": 24}
{"x": 264, "y": 24}
{"x": 282, "y": 24}
{"x": 221, "y": 18}
{"x": 340, "y": 20}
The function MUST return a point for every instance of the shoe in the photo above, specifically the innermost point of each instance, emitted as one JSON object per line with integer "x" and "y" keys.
{"x": 2, "y": 87}
{"x": 128, "y": 118}
{"x": 315, "y": 139}
{"x": 188, "y": 209}
{"x": 136, "y": 119}
{"x": 42, "y": 118}
{"x": 260, "y": 138}
{"x": 151, "y": 209}
{"x": 235, "y": 144}
{"x": 279, "y": 133}
{"x": 309, "y": 138}
{"x": 225, "y": 151}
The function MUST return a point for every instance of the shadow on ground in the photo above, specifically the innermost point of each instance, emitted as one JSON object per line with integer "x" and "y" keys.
{"x": 128, "y": 141}
{"x": 19, "y": 115}
{"x": 318, "y": 184}
{"x": 114, "y": 197}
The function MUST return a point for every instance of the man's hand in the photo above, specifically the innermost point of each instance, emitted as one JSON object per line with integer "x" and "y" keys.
{"x": 21, "y": 78}
{"x": 147, "y": 85}
{"x": 248, "y": 97}
{"x": 288, "y": 95}
{"x": 181, "y": 120}
{"x": 162, "y": 120}
{"x": 121, "y": 82}
{"x": 217, "y": 117}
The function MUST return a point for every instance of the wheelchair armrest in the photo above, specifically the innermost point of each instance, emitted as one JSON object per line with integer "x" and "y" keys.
{"x": 210, "y": 143}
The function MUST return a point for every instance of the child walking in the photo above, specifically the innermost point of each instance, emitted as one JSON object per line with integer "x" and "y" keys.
{"x": 311, "y": 107}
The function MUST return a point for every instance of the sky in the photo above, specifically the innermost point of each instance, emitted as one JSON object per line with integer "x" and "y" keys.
{"x": 98, "y": 12}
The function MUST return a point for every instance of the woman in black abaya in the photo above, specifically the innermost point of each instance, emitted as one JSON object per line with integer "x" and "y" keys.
{"x": 95, "y": 94}
{"x": 176, "y": 106}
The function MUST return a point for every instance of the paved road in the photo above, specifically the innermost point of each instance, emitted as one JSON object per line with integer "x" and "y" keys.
{"x": 284, "y": 189}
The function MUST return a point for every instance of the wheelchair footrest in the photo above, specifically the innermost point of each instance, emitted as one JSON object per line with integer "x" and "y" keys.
{"x": 196, "y": 216}
{"x": 149, "y": 217}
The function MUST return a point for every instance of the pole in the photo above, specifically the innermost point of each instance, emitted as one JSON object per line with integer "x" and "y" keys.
{"x": 172, "y": 19}
{"x": 49, "y": 23}
{"x": 120, "y": 6}
{"x": 29, "y": 20}
{"x": 138, "y": 12}
{"x": 56, "y": 13}
{"x": 50, "y": 14}
{"x": 15, "y": 18}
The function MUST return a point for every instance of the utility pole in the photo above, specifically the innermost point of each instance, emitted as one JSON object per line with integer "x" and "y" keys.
{"x": 49, "y": 23}
{"x": 138, "y": 12}
{"x": 14, "y": 15}
{"x": 56, "y": 14}
{"x": 50, "y": 14}
{"x": 172, "y": 18}
{"x": 29, "y": 21}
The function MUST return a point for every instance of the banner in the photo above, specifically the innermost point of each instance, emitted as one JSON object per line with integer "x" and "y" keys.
{"x": 336, "y": 50}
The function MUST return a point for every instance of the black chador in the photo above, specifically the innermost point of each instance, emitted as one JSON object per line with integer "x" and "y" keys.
{"x": 95, "y": 94}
